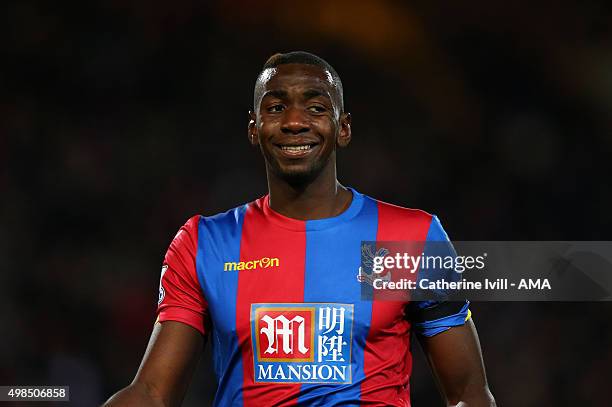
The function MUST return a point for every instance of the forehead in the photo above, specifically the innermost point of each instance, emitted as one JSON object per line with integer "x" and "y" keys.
{"x": 297, "y": 75}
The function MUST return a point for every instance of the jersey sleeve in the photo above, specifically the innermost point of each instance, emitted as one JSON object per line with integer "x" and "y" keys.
{"x": 434, "y": 316}
{"x": 180, "y": 295}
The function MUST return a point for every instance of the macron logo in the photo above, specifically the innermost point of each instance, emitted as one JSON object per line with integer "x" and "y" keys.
{"x": 263, "y": 263}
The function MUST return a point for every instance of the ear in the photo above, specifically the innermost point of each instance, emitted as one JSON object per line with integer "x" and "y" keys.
{"x": 344, "y": 136}
{"x": 252, "y": 129}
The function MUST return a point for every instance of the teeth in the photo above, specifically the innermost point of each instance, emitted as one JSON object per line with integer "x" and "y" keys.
{"x": 296, "y": 148}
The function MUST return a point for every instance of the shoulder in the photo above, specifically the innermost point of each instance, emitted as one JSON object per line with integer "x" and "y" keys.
{"x": 229, "y": 219}
{"x": 187, "y": 234}
{"x": 403, "y": 213}
{"x": 401, "y": 223}
{"x": 396, "y": 213}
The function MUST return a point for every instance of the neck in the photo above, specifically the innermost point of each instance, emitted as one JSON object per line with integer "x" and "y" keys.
{"x": 323, "y": 197}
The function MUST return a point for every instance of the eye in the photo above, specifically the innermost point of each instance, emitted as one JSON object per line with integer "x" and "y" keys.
{"x": 316, "y": 109}
{"x": 276, "y": 108}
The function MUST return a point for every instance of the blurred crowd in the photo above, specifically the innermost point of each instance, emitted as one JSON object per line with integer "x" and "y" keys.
{"x": 121, "y": 119}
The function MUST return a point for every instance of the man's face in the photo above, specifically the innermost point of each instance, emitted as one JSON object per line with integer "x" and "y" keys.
{"x": 298, "y": 121}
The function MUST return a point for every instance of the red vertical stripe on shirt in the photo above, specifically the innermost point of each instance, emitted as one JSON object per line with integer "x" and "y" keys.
{"x": 283, "y": 284}
{"x": 387, "y": 358}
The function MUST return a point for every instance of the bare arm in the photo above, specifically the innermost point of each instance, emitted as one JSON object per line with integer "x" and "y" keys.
{"x": 166, "y": 368}
{"x": 456, "y": 361}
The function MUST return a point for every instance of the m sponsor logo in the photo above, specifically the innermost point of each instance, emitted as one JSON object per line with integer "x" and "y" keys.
{"x": 302, "y": 342}
{"x": 285, "y": 336}
{"x": 263, "y": 263}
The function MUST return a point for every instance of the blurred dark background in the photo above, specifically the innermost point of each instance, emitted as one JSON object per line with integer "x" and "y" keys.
{"x": 121, "y": 119}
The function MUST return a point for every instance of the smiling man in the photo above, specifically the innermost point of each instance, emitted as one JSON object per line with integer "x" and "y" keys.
{"x": 276, "y": 285}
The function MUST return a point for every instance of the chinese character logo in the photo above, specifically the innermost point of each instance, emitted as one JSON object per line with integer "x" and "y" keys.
{"x": 330, "y": 341}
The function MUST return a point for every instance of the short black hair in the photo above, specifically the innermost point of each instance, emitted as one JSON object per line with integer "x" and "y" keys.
{"x": 301, "y": 57}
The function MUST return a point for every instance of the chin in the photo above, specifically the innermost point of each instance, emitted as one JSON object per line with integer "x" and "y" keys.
{"x": 298, "y": 176}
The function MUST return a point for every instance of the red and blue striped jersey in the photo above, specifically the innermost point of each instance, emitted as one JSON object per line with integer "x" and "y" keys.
{"x": 281, "y": 304}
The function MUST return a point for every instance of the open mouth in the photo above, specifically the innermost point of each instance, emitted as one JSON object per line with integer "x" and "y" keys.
{"x": 297, "y": 150}
{"x": 304, "y": 147}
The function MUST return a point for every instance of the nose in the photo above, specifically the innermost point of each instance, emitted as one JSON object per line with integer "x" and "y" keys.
{"x": 294, "y": 121}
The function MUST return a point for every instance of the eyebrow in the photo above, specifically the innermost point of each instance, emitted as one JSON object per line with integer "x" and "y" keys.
{"x": 313, "y": 93}
{"x": 280, "y": 94}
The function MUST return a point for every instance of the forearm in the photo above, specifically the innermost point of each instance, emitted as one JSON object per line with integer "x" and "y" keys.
{"x": 166, "y": 368}
{"x": 456, "y": 362}
{"x": 474, "y": 396}
{"x": 135, "y": 395}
